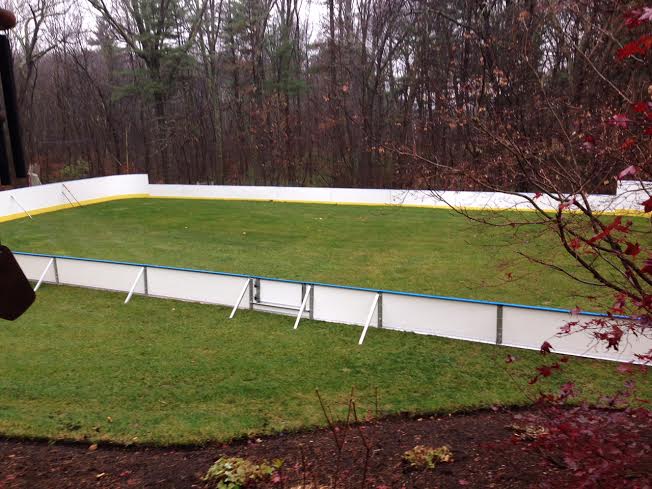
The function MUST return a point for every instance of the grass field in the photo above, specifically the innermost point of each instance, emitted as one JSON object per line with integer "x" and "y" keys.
{"x": 81, "y": 365}
{"x": 415, "y": 250}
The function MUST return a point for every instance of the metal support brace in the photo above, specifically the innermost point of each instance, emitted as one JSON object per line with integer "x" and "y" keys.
{"x": 371, "y": 315}
{"x": 42, "y": 277}
{"x": 380, "y": 310}
{"x": 56, "y": 271}
{"x": 24, "y": 210}
{"x": 312, "y": 303}
{"x": 240, "y": 297}
{"x": 146, "y": 282}
{"x": 69, "y": 201}
{"x": 303, "y": 306}
{"x": 72, "y": 195}
{"x": 499, "y": 325}
{"x": 257, "y": 290}
{"x": 133, "y": 287}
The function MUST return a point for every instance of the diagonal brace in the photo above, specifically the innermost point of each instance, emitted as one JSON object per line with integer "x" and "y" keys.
{"x": 42, "y": 277}
{"x": 303, "y": 306}
{"x": 369, "y": 317}
{"x": 242, "y": 294}
{"x": 133, "y": 287}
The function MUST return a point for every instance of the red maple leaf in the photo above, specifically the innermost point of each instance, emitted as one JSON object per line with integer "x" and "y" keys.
{"x": 589, "y": 142}
{"x": 620, "y": 120}
{"x": 637, "y": 17}
{"x": 567, "y": 203}
{"x": 642, "y": 107}
{"x": 647, "y": 205}
{"x": 647, "y": 266}
{"x": 633, "y": 249}
{"x": 546, "y": 370}
{"x": 546, "y": 347}
{"x": 619, "y": 305}
{"x": 639, "y": 46}
{"x": 625, "y": 368}
{"x": 616, "y": 225}
{"x": 628, "y": 144}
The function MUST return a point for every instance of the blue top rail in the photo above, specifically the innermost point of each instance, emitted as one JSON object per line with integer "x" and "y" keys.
{"x": 347, "y": 287}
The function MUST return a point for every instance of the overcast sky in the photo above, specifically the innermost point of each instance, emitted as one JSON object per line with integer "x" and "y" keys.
{"x": 312, "y": 10}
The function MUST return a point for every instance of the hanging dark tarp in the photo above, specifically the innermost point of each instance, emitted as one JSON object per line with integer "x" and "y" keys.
{"x": 16, "y": 294}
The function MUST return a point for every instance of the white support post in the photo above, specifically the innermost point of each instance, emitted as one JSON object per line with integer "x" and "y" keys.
{"x": 303, "y": 306}
{"x": 42, "y": 277}
{"x": 133, "y": 287}
{"x": 240, "y": 297}
{"x": 371, "y": 315}
{"x": 24, "y": 210}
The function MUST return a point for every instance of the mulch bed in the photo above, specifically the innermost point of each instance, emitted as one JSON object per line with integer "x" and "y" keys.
{"x": 484, "y": 458}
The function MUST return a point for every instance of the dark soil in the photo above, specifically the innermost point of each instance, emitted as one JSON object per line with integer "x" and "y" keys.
{"x": 481, "y": 442}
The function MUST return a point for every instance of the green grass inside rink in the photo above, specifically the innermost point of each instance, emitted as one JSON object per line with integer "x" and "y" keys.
{"x": 431, "y": 251}
{"x": 82, "y": 365}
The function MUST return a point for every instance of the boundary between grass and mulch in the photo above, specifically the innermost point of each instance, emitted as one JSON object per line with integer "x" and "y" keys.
{"x": 274, "y": 434}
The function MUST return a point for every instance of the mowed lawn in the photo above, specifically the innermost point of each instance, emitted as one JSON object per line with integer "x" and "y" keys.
{"x": 82, "y": 365}
{"x": 416, "y": 250}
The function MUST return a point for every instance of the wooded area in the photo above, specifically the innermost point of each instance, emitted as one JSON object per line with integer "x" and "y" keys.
{"x": 368, "y": 93}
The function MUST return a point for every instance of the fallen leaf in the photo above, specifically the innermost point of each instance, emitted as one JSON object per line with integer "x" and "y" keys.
{"x": 546, "y": 347}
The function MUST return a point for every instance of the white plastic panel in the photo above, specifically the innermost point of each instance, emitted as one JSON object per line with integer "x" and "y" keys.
{"x": 530, "y": 328}
{"x": 280, "y": 293}
{"x": 489, "y": 200}
{"x": 33, "y": 267}
{"x": 525, "y": 328}
{"x": 360, "y": 196}
{"x": 439, "y": 317}
{"x": 49, "y": 195}
{"x": 98, "y": 275}
{"x": 196, "y": 286}
{"x": 343, "y": 305}
{"x": 627, "y": 198}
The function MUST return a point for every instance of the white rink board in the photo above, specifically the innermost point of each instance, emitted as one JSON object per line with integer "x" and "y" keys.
{"x": 624, "y": 200}
{"x": 527, "y": 328}
{"x": 343, "y": 305}
{"x": 33, "y": 267}
{"x": 40, "y": 197}
{"x": 629, "y": 195}
{"x": 440, "y": 317}
{"x": 100, "y": 275}
{"x": 522, "y": 327}
{"x": 195, "y": 286}
{"x": 285, "y": 293}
